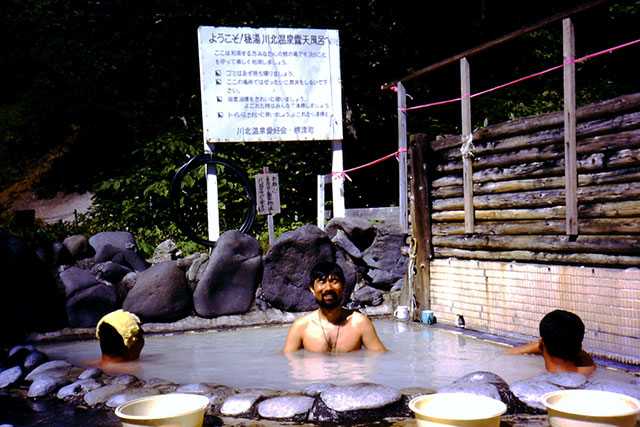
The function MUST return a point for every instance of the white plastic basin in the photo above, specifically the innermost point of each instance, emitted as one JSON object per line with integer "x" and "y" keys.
{"x": 457, "y": 409}
{"x": 174, "y": 409}
{"x": 591, "y": 408}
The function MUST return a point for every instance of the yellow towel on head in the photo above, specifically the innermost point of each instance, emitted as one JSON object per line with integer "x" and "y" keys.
{"x": 127, "y": 324}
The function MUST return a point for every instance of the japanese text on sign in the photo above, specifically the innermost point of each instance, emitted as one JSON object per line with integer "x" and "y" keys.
{"x": 270, "y": 84}
{"x": 267, "y": 194}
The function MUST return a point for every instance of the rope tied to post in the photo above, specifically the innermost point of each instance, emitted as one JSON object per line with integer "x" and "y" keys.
{"x": 411, "y": 271}
{"x": 467, "y": 146}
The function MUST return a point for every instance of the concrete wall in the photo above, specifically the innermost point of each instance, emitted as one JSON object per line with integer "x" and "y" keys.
{"x": 509, "y": 299}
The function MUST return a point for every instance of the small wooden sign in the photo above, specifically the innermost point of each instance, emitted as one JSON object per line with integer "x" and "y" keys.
{"x": 267, "y": 194}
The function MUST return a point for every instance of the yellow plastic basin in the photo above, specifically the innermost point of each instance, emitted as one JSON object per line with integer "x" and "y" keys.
{"x": 457, "y": 409}
{"x": 169, "y": 410}
{"x": 591, "y": 408}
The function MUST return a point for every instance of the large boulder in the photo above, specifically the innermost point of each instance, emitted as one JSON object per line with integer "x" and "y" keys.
{"x": 385, "y": 260}
{"x": 359, "y": 231}
{"x": 231, "y": 278}
{"x": 160, "y": 294}
{"x": 30, "y": 300}
{"x": 119, "y": 247}
{"x": 87, "y": 299}
{"x": 287, "y": 264}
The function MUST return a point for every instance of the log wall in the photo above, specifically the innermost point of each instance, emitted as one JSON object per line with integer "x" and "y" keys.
{"x": 519, "y": 262}
{"x": 519, "y": 194}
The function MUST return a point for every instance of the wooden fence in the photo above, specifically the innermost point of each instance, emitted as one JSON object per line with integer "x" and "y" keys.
{"x": 519, "y": 190}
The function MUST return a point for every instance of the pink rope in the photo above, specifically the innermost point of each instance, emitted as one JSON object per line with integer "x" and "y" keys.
{"x": 584, "y": 58}
{"x": 343, "y": 174}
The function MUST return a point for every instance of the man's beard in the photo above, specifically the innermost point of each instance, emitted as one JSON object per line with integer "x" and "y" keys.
{"x": 335, "y": 302}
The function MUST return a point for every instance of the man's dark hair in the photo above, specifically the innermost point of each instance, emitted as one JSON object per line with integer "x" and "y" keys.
{"x": 325, "y": 269}
{"x": 111, "y": 342}
{"x": 562, "y": 333}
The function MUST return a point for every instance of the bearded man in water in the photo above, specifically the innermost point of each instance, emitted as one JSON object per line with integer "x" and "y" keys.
{"x": 331, "y": 328}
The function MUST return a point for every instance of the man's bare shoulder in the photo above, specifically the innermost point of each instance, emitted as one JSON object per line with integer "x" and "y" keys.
{"x": 303, "y": 320}
{"x": 356, "y": 317}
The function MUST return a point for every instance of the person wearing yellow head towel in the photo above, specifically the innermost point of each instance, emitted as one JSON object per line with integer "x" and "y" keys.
{"x": 120, "y": 337}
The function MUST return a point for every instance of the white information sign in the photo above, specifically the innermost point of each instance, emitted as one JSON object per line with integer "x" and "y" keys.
{"x": 267, "y": 194}
{"x": 270, "y": 84}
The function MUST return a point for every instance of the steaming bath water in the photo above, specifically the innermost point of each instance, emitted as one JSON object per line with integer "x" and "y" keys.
{"x": 250, "y": 357}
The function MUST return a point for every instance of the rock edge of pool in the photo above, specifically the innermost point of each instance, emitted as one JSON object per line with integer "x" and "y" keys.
{"x": 37, "y": 391}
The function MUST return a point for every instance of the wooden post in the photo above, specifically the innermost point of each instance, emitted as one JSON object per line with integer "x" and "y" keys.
{"x": 570, "y": 170}
{"x": 421, "y": 220}
{"x": 337, "y": 181}
{"x": 467, "y": 168}
{"x": 402, "y": 158}
{"x": 272, "y": 234}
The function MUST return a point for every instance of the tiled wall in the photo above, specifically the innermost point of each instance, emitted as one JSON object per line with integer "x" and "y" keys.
{"x": 509, "y": 299}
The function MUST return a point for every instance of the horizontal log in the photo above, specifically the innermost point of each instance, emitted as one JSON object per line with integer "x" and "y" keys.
{"x": 600, "y": 144}
{"x": 541, "y": 198}
{"x": 590, "y": 163}
{"x": 627, "y": 245}
{"x": 585, "y": 130}
{"x": 597, "y": 226}
{"x": 627, "y": 209}
{"x": 610, "y": 177}
{"x": 531, "y": 124}
{"x": 541, "y": 257}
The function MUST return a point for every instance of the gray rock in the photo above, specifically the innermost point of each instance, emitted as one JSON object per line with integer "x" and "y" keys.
{"x": 342, "y": 241}
{"x": 384, "y": 258}
{"x": 75, "y": 279}
{"x": 44, "y": 385}
{"x": 127, "y": 258}
{"x": 627, "y": 389}
{"x": 285, "y": 407}
{"x": 240, "y": 404}
{"x": 287, "y": 264}
{"x": 359, "y": 231}
{"x": 217, "y": 396}
{"x": 47, "y": 366}
{"x": 481, "y": 376}
{"x": 563, "y": 379}
{"x": 198, "y": 388}
{"x": 233, "y": 274}
{"x": 316, "y": 388}
{"x": 161, "y": 294}
{"x": 87, "y": 306}
{"x": 367, "y": 295}
{"x": 102, "y": 394}
{"x": 78, "y": 388}
{"x": 478, "y": 388}
{"x": 10, "y": 376}
{"x": 118, "y": 239}
{"x": 157, "y": 382}
{"x": 530, "y": 392}
{"x": 124, "y": 379}
{"x": 122, "y": 398}
{"x": 78, "y": 246}
{"x": 90, "y": 373}
{"x": 34, "y": 359}
{"x": 111, "y": 272}
{"x": 166, "y": 251}
{"x": 194, "y": 268}
{"x": 359, "y": 396}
